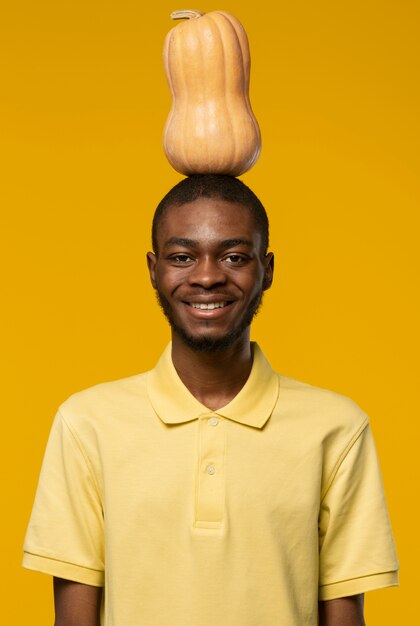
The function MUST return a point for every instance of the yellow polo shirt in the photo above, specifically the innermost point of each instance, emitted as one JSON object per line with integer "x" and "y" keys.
{"x": 243, "y": 516}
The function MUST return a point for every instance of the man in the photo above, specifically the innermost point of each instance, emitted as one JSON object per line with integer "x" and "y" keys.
{"x": 210, "y": 490}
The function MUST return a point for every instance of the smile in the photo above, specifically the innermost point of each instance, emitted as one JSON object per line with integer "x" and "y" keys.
{"x": 208, "y": 305}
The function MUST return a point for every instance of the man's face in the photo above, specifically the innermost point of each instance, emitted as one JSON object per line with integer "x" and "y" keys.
{"x": 210, "y": 272}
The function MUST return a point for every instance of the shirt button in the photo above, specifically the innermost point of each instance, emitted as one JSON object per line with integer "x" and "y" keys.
{"x": 213, "y": 421}
{"x": 211, "y": 469}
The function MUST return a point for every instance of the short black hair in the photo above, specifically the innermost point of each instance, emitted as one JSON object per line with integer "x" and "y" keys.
{"x": 218, "y": 186}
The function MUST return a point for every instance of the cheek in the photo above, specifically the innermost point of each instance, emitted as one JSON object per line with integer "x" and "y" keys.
{"x": 170, "y": 280}
{"x": 252, "y": 283}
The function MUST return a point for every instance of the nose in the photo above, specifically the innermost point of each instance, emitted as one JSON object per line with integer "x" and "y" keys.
{"x": 207, "y": 273}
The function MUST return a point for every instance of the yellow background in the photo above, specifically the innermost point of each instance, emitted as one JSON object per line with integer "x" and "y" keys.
{"x": 335, "y": 87}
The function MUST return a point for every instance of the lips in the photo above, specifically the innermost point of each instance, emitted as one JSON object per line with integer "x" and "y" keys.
{"x": 207, "y": 301}
{"x": 205, "y": 306}
{"x": 210, "y": 306}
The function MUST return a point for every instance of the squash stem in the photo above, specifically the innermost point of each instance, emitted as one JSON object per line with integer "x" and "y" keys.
{"x": 186, "y": 14}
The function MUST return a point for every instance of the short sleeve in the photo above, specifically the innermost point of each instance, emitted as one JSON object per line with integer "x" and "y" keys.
{"x": 357, "y": 551}
{"x": 65, "y": 535}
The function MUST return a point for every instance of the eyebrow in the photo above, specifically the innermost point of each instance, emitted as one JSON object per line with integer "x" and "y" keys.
{"x": 192, "y": 243}
{"x": 231, "y": 243}
{"x": 181, "y": 241}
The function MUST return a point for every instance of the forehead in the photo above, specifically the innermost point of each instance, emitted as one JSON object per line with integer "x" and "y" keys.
{"x": 208, "y": 218}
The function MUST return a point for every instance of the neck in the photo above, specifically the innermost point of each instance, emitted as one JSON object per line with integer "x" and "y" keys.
{"x": 214, "y": 378}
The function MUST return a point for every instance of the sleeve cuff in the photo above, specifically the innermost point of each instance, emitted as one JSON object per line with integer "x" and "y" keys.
{"x": 61, "y": 569}
{"x": 358, "y": 585}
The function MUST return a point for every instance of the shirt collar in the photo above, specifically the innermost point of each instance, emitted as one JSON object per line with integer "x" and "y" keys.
{"x": 252, "y": 406}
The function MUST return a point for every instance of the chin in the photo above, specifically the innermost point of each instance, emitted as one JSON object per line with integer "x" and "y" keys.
{"x": 210, "y": 343}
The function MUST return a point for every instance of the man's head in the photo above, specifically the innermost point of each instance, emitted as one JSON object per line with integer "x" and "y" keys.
{"x": 212, "y": 186}
{"x": 210, "y": 265}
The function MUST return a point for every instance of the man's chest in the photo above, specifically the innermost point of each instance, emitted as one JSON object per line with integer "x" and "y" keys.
{"x": 212, "y": 472}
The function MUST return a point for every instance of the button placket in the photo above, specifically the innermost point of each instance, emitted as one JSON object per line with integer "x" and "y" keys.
{"x": 210, "y": 479}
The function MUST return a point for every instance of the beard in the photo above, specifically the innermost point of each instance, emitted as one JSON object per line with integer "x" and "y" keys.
{"x": 211, "y": 344}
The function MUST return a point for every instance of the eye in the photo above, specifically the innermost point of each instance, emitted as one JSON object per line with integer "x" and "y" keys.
{"x": 236, "y": 259}
{"x": 180, "y": 259}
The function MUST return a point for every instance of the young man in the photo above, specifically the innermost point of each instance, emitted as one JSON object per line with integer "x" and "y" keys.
{"x": 210, "y": 490}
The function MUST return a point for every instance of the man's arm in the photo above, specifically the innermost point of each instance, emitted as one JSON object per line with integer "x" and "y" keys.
{"x": 342, "y": 612}
{"x": 76, "y": 604}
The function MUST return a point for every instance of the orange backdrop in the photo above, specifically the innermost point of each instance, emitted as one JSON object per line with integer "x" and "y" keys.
{"x": 335, "y": 87}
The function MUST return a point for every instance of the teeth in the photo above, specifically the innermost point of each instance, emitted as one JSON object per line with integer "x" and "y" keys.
{"x": 208, "y": 306}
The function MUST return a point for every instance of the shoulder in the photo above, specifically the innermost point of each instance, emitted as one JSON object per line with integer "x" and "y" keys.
{"x": 303, "y": 392}
{"x": 325, "y": 423}
{"x": 106, "y": 401}
{"x": 320, "y": 410}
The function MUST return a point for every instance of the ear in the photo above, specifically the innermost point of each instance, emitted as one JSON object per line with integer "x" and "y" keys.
{"x": 151, "y": 264}
{"x": 269, "y": 271}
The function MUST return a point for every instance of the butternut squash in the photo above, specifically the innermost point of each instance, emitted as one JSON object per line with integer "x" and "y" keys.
{"x": 211, "y": 127}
